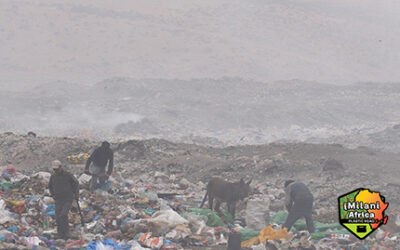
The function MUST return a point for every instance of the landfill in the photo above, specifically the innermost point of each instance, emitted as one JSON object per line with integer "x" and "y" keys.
{"x": 159, "y": 209}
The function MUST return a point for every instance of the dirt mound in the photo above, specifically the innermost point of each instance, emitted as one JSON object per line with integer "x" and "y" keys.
{"x": 36, "y": 153}
{"x": 271, "y": 163}
{"x": 183, "y": 169}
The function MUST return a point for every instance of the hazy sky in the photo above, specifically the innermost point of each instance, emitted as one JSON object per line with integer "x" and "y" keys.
{"x": 265, "y": 40}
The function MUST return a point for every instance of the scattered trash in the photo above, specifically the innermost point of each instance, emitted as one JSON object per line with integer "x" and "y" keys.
{"x": 213, "y": 220}
{"x": 267, "y": 233}
{"x": 79, "y": 158}
{"x": 156, "y": 210}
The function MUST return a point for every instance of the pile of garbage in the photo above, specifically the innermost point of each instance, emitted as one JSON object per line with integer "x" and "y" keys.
{"x": 158, "y": 212}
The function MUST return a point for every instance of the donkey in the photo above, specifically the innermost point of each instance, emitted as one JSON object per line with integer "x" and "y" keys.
{"x": 228, "y": 192}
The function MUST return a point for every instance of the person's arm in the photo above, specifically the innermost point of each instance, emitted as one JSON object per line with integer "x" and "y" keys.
{"x": 51, "y": 186}
{"x": 110, "y": 164}
{"x": 89, "y": 161}
{"x": 288, "y": 198}
{"x": 74, "y": 185}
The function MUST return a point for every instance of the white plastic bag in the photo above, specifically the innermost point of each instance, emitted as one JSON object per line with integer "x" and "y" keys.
{"x": 5, "y": 215}
{"x": 43, "y": 176}
{"x": 256, "y": 210}
{"x": 168, "y": 218}
{"x": 101, "y": 246}
{"x": 32, "y": 241}
{"x": 196, "y": 224}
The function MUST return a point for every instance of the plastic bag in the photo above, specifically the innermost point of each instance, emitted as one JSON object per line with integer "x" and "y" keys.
{"x": 106, "y": 244}
{"x": 51, "y": 210}
{"x": 247, "y": 234}
{"x": 43, "y": 176}
{"x": 213, "y": 220}
{"x": 267, "y": 233}
{"x": 101, "y": 246}
{"x": 196, "y": 224}
{"x": 278, "y": 218}
{"x": 8, "y": 185}
{"x": 5, "y": 215}
{"x": 168, "y": 218}
{"x": 255, "y": 213}
{"x": 164, "y": 205}
{"x": 32, "y": 241}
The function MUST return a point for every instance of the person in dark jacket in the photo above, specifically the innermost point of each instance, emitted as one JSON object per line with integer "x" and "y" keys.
{"x": 100, "y": 157}
{"x": 299, "y": 203}
{"x": 63, "y": 187}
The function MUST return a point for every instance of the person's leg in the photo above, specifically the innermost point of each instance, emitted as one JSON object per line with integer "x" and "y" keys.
{"x": 307, "y": 206}
{"x": 59, "y": 206}
{"x": 64, "y": 218}
{"x": 291, "y": 219}
{"x": 310, "y": 223}
{"x": 93, "y": 183}
{"x": 102, "y": 180}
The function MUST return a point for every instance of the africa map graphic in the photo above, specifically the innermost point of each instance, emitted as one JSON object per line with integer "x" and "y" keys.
{"x": 362, "y": 211}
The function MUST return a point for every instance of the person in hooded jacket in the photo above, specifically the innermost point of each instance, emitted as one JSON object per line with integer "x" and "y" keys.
{"x": 299, "y": 203}
{"x": 96, "y": 165}
{"x": 64, "y": 188}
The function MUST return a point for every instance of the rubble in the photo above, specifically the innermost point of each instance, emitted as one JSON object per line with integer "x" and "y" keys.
{"x": 148, "y": 205}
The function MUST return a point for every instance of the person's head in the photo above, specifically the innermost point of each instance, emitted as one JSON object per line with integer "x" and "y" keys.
{"x": 57, "y": 166}
{"x": 105, "y": 144}
{"x": 287, "y": 183}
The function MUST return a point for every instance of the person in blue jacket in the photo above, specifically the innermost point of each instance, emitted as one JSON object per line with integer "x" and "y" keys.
{"x": 299, "y": 203}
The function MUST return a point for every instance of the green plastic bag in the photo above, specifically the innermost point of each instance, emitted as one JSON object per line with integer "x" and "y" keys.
{"x": 248, "y": 234}
{"x": 228, "y": 216}
{"x": 280, "y": 218}
{"x": 213, "y": 220}
{"x": 302, "y": 225}
{"x": 325, "y": 226}
{"x": 8, "y": 185}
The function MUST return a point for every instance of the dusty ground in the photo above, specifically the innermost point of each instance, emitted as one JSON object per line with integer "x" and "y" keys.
{"x": 329, "y": 170}
{"x": 266, "y": 164}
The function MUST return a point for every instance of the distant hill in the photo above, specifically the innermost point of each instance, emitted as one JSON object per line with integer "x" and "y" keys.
{"x": 216, "y": 112}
